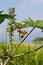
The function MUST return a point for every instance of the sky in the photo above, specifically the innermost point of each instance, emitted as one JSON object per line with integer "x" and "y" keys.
{"x": 23, "y": 9}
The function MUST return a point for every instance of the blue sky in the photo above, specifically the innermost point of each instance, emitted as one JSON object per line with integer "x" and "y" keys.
{"x": 24, "y": 9}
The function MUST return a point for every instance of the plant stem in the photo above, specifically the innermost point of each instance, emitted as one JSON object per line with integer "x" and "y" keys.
{"x": 21, "y": 42}
{"x": 28, "y": 52}
{"x": 17, "y": 47}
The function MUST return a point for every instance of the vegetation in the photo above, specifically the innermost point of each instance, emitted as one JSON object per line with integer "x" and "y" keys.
{"x": 4, "y": 16}
{"x": 34, "y": 58}
{"x": 14, "y": 54}
{"x": 38, "y": 41}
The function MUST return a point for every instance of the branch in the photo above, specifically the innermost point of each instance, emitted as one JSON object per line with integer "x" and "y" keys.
{"x": 28, "y": 52}
{"x": 21, "y": 42}
{"x": 17, "y": 47}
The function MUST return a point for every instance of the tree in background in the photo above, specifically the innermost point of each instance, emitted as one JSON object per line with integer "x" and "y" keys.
{"x": 38, "y": 41}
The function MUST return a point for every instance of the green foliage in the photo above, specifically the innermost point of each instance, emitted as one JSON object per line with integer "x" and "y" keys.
{"x": 35, "y": 58}
{"x": 32, "y": 23}
{"x": 28, "y": 59}
{"x": 13, "y": 25}
{"x": 4, "y": 16}
{"x": 38, "y": 41}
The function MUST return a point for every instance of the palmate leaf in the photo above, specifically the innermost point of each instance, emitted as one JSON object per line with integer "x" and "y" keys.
{"x": 4, "y": 16}
{"x": 29, "y": 22}
{"x": 32, "y": 23}
{"x": 39, "y": 23}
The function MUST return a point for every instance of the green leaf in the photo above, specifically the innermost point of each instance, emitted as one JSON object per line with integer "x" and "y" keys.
{"x": 39, "y": 23}
{"x": 32, "y": 23}
{"x": 4, "y": 16}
